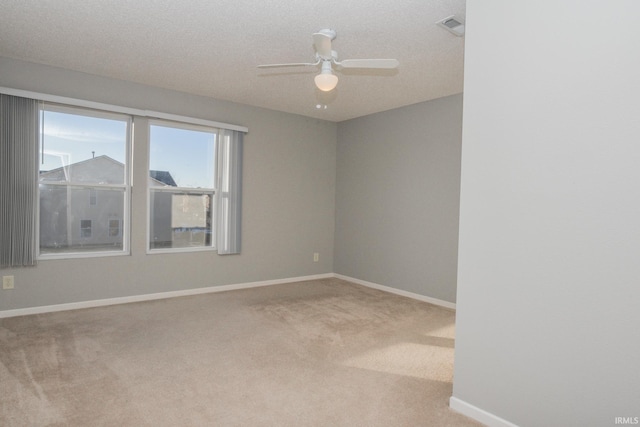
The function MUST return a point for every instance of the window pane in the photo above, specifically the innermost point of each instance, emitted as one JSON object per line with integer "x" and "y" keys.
{"x": 180, "y": 220}
{"x": 85, "y": 228}
{"x": 182, "y": 157}
{"x": 70, "y": 223}
{"x": 114, "y": 227}
{"x": 82, "y": 149}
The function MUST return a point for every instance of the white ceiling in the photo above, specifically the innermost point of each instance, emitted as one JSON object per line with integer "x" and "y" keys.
{"x": 212, "y": 47}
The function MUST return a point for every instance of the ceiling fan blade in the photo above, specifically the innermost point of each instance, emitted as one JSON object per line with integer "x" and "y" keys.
{"x": 292, "y": 64}
{"x": 322, "y": 43}
{"x": 369, "y": 63}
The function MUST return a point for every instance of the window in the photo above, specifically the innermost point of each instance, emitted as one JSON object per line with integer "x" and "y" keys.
{"x": 85, "y": 228}
{"x": 114, "y": 227}
{"x": 83, "y": 157}
{"x": 182, "y": 177}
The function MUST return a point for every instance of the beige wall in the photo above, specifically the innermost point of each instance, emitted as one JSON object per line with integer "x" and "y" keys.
{"x": 288, "y": 206}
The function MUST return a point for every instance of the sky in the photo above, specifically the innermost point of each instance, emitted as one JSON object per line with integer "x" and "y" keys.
{"x": 187, "y": 154}
{"x": 70, "y": 138}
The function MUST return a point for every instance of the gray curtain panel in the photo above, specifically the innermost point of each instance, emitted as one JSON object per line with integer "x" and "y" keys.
{"x": 19, "y": 131}
{"x": 229, "y": 192}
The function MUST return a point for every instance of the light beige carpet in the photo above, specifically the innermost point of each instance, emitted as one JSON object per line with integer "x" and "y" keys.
{"x": 317, "y": 353}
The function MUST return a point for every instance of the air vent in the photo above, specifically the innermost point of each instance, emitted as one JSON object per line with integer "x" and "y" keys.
{"x": 453, "y": 24}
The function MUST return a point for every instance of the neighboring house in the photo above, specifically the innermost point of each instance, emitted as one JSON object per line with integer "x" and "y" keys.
{"x": 91, "y": 216}
{"x": 179, "y": 220}
{"x": 164, "y": 177}
{"x": 85, "y": 215}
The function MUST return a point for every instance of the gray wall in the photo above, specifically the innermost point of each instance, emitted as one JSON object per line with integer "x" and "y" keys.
{"x": 288, "y": 205}
{"x": 397, "y": 198}
{"x": 549, "y": 278}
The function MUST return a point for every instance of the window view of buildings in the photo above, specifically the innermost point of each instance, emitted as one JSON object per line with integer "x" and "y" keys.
{"x": 84, "y": 204}
{"x": 79, "y": 218}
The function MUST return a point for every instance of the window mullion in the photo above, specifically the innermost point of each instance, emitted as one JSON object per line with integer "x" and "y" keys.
{"x": 84, "y": 185}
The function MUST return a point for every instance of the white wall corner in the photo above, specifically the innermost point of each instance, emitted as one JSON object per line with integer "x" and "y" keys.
{"x": 478, "y": 414}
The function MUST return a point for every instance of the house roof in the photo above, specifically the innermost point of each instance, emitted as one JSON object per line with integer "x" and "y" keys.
{"x": 100, "y": 170}
{"x": 212, "y": 48}
{"x": 164, "y": 177}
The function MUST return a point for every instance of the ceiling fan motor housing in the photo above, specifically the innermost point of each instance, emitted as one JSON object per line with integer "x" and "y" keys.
{"x": 329, "y": 33}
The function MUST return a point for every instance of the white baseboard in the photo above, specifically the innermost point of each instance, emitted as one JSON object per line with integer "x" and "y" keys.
{"x": 210, "y": 289}
{"x": 407, "y": 294}
{"x": 156, "y": 296}
{"x": 478, "y": 414}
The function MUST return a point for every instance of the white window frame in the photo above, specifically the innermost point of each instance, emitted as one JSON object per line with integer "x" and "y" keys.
{"x": 213, "y": 192}
{"x": 126, "y": 186}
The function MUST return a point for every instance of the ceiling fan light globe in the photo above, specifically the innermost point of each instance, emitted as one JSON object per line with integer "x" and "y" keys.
{"x": 326, "y": 82}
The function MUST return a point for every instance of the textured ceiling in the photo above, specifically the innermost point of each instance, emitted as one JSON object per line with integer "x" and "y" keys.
{"x": 212, "y": 48}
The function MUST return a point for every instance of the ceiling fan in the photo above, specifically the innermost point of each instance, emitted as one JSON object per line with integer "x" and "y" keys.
{"x": 327, "y": 58}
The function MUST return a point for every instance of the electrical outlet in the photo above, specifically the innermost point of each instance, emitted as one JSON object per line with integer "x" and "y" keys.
{"x": 7, "y": 282}
{"x": 316, "y": 257}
